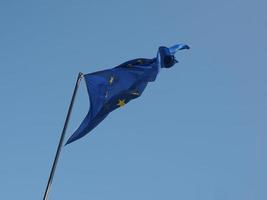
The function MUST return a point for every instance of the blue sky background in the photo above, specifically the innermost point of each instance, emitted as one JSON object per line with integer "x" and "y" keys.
{"x": 198, "y": 132}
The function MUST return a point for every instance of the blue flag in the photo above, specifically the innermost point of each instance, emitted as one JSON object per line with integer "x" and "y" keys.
{"x": 113, "y": 88}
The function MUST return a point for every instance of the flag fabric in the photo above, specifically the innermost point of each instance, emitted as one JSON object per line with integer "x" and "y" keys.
{"x": 113, "y": 88}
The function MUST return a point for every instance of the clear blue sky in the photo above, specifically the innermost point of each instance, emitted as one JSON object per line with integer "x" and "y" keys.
{"x": 198, "y": 133}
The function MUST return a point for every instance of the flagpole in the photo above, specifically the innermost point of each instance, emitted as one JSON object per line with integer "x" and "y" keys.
{"x": 60, "y": 144}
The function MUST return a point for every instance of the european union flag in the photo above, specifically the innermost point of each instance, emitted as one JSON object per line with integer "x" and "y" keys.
{"x": 113, "y": 88}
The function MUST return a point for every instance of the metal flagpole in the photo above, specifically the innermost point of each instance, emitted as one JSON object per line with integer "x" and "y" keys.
{"x": 60, "y": 144}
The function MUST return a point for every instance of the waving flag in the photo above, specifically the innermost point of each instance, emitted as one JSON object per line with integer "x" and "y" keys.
{"x": 113, "y": 88}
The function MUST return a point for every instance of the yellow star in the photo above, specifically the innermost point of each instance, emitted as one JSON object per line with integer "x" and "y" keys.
{"x": 140, "y": 61}
{"x": 121, "y": 102}
{"x": 111, "y": 80}
{"x": 136, "y": 93}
